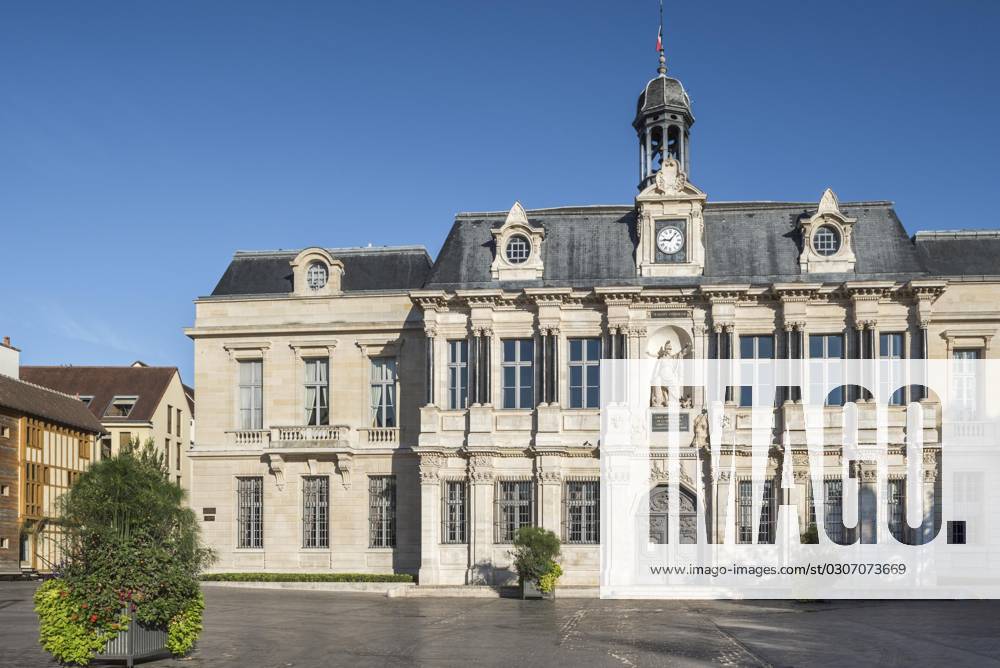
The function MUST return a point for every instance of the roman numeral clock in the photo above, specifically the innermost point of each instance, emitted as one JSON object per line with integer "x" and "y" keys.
{"x": 670, "y": 225}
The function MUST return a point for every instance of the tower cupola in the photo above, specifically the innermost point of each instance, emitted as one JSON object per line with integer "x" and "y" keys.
{"x": 663, "y": 121}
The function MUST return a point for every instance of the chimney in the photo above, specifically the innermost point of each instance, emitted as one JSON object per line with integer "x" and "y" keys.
{"x": 10, "y": 359}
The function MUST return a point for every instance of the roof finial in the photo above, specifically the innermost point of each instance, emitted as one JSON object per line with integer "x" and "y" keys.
{"x": 662, "y": 69}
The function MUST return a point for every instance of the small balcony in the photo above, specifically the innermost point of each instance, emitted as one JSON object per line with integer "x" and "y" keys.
{"x": 379, "y": 436}
{"x": 249, "y": 438}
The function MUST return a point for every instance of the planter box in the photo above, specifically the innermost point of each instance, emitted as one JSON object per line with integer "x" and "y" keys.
{"x": 529, "y": 589}
{"x": 136, "y": 642}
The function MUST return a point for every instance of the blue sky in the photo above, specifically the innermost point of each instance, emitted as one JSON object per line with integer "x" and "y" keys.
{"x": 142, "y": 143}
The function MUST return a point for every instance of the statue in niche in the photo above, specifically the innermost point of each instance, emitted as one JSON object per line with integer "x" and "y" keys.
{"x": 665, "y": 387}
{"x": 700, "y": 429}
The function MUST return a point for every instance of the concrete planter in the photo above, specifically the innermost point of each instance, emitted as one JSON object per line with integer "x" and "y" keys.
{"x": 135, "y": 642}
{"x": 530, "y": 590}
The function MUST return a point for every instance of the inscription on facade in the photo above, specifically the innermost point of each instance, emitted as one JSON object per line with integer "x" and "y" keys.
{"x": 662, "y": 422}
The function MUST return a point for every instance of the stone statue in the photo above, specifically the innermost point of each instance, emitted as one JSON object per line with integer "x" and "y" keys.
{"x": 665, "y": 386}
{"x": 700, "y": 429}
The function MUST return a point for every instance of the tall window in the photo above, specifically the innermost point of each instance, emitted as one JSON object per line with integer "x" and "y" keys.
{"x": 458, "y": 374}
{"x": 382, "y": 511}
{"x": 454, "y": 512}
{"x": 963, "y": 383}
{"x": 251, "y": 394}
{"x": 896, "y": 504}
{"x": 316, "y": 511}
{"x": 515, "y": 508}
{"x": 317, "y": 391}
{"x": 518, "y": 373}
{"x": 744, "y": 517}
{"x": 584, "y": 373}
{"x": 383, "y": 392}
{"x": 178, "y": 426}
{"x": 891, "y": 348}
{"x": 166, "y": 453}
{"x": 825, "y": 347}
{"x": 170, "y": 419}
{"x": 833, "y": 509}
{"x": 582, "y": 502}
{"x": 250, "y": 512}
{"x": 754, "y": 347}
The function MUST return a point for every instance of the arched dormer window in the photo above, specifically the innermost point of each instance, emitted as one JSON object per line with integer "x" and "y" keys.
{"x": 315, "y": 273}
{"x": 518, "y": 248}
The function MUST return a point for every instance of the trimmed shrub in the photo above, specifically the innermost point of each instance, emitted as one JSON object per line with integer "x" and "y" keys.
{"x": 535, "y": 552}
{"x": 307, "y": 577}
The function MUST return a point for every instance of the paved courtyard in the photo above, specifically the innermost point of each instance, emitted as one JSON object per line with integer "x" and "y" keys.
{"x": 284, "y": 629}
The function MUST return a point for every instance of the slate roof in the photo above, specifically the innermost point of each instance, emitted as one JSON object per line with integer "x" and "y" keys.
{"x": 383, "y": 268}
{"x": 24, "y": 397}
{"x": 104, "y": 383}
{"x": 960, "y": 253}
{"x": 745, "y": 242}
{"x": 662, "y": 93}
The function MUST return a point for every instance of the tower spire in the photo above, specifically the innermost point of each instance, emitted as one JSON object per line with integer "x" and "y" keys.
{"x": 662, "y": 69}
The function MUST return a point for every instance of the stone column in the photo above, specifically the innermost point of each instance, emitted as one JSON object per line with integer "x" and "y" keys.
{"x": 473, "y": 368}
{"x": 557, "y": 377}
{"x": 730, "y": 338}
{"x": 430, "y": 373}
{"x": 486, "y": 396}
{"x": 430, "y": 517}
{"x": 924, "y": 391}
{"x": 481, "y": 479}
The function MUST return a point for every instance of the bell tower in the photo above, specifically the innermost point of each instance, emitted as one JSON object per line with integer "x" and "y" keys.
{"x": 670, "y": 224}
{"x": 663, "y": 121}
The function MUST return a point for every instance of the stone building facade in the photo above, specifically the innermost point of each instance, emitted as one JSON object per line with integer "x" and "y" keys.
{"x": 462, "y": 396}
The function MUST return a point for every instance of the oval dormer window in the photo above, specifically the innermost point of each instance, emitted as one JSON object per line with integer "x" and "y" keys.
{"x": 317, "y": 275}
{"x": 826, "y": 241}
{"x": 518, "y": 249}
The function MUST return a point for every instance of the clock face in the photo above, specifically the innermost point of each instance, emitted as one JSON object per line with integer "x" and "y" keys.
{"x": 670, "y": 240}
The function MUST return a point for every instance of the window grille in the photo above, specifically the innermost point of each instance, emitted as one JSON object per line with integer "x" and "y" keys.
{"x": 833, "y": 509}
{"x": 896, "y": 505}
{"x": 582, "y": 501}
{"x": 455, "y": 510}
{"x": 382, "y": 511}
{"x": 515, "y": 508}
{"x": 826, "y": 241}
{"x": 250, "y": 512}
{"x": 316, "y": 511}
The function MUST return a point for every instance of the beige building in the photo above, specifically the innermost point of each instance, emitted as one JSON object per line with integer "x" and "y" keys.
{"x": 365, "y": 410}
{"x": 136, "y": 402}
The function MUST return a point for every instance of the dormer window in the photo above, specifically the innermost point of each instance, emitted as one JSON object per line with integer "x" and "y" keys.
{"x": 86, "y": 400}
{"x": 120, "y": 407}
{"x": 518, "y": 249}
{"x": 316, "y": 276}
{"x": 826, "y": 241}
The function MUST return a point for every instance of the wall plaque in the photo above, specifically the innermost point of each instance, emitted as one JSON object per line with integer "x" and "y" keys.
{"x": 675, "y": 313}
{"x": 662, "y": 422}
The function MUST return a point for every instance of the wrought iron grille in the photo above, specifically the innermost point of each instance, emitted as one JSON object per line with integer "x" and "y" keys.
{"x": 454, "y": 515}
{"x": 250, "y": 512}
{"x": 744, "y": 517}
{"x": 382, "y": 511}
{"x": 833, "y": 509}
{"x": 896, "y": 501}
{"x": 583, "y": 511}
{"x": 316, "y": 511}
{"x": 515, "y": 508}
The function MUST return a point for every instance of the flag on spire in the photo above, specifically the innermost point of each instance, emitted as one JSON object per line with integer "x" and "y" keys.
{"x": 659, "y": 40}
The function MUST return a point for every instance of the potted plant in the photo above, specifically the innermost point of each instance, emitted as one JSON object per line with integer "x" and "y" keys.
{"x": 128, "y": 585}
{"x": 535, "y": 552}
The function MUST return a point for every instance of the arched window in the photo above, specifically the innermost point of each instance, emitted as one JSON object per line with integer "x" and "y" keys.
{"x": 655, "y": 149}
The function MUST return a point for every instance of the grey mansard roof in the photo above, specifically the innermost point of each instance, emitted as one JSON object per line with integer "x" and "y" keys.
{"x": 960, "y": 253}
{"x": 591, "y": 246}
{"x": 661, "y": 94}
{"x": 745, "y": 242}
{"x": 382, "y": 268}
